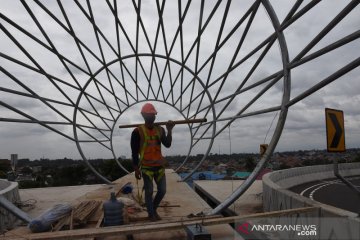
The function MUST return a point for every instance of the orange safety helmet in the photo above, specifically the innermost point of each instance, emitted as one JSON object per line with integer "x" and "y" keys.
{"x": 148, "y": 108}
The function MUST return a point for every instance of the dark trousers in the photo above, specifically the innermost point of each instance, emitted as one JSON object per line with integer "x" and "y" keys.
{"x": 153, "y": 204}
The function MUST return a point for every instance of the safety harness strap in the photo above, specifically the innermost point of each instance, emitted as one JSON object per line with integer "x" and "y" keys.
{"x": 151, "y": 173}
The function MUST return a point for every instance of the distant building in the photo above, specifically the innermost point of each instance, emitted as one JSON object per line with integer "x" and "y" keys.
{"x": 221, "y": 168}
{"x": 4, "y": 161}
{"x": 24, "y": 177}
{"x": 14, "y": 160}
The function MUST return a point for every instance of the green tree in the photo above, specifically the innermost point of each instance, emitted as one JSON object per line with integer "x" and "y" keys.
{"x": 111, "y": 170}
{"x": 250, "y": 164}
{"x": 5, "y": 165}
{"x": 71, "y": 175}
{"x": 127, "y": 164}
{"x": 283, "y": 166}
{"x": 29, "y": 184}
{"x": 26, "y": 170}
{"x": 3, "y": 174}
{"x": 357, "y": 158}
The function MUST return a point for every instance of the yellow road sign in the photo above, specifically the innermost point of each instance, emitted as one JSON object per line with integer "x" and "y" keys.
{"x": 335, "y": 132}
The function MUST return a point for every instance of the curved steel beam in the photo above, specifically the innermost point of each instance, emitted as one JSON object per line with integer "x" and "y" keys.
{"x": 105, "y": 66}
{"x": 281, "y": 122}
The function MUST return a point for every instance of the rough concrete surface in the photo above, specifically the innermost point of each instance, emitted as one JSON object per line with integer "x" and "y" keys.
{"x": 48, "y": 197}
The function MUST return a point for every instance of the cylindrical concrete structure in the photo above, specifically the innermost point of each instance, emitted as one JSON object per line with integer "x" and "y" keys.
{"x": 10, "y": 191}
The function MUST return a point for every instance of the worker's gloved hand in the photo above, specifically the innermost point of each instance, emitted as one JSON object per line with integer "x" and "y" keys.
{"x": 170, "y": 125}
{"x": 137, "y": 173}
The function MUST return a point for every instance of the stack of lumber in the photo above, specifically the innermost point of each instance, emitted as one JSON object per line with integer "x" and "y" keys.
{"x": 79, "y": 215}
{"x": 84, "y": 210}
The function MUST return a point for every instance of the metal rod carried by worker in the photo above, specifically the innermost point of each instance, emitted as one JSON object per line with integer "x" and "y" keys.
{"x": 186, "y": 121}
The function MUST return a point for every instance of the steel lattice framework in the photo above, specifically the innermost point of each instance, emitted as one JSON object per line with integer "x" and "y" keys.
{"x": 203, "y": 58}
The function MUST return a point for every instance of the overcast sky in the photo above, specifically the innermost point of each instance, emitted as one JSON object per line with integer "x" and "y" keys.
{"x": 305, "y": 124}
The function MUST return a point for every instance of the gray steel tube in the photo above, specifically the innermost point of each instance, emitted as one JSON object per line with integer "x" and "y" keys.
{"x": 14, "y": 210}
{"x": 280, "y": 125}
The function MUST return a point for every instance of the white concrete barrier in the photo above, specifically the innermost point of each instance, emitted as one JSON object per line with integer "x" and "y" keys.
{"x": 276, "y": 196}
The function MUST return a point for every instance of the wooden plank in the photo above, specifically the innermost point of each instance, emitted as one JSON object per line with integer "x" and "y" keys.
{"x": 62, "y": 222}
{"x": 166, "y": 206}
{"x": 98, "y": 224}
{"x": 84, "y": 210}
{"x": 71, "y": 220}
{"x": 156, "y": 227}
{"x": 145, "y": 220}
{"x": 186, "y": 121}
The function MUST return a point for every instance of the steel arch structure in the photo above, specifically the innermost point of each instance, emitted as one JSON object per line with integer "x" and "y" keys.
{"x": 94, "y": 60}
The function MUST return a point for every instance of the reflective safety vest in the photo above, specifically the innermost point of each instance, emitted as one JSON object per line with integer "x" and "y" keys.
{"x": 150, "y": 146}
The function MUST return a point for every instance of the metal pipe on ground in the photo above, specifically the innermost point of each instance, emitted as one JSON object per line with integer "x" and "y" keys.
{"x": 9, "y": 206}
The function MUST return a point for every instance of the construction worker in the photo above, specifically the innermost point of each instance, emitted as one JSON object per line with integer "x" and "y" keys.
{"x": 148, "y": 160}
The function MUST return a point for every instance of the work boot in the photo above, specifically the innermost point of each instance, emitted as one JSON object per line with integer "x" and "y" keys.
{"x": 156, "y": 215}
{"x": 152, "y": 218}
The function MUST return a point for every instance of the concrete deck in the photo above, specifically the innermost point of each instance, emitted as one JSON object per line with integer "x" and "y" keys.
{"x": 178, "y": 193}
{"x": 48, "y": 197}
{"x": 250, "y": 202}
{"x": 179, "y": 202}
